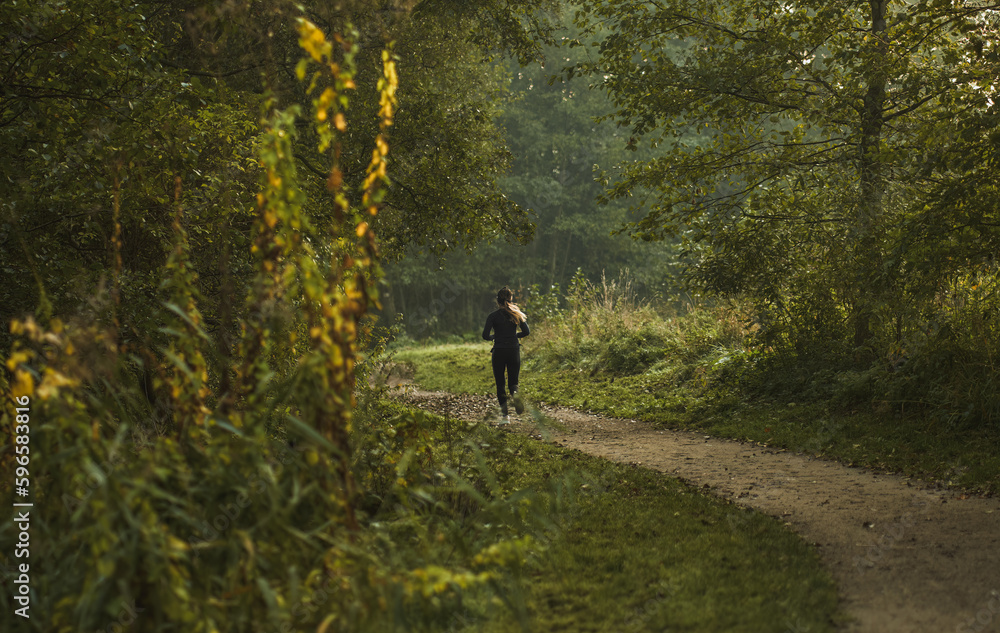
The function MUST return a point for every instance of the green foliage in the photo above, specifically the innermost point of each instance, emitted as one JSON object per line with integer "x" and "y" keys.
{"x": 99, "y": 125}
{"x": 557, "y": 152}
{"x": 931, "y": 412}
{"x": 561, "y": 153}
{"x": 445, "y": 192}
{"x": 543, "y": 305}
{"x": 607, "y": 328}
{"x": 792, "y": 154}
{"x": 104, "y": 103}
{"x": 516, "y": 27}
{"x": 949, "y": 368}
{"x": 238, "y": 531}
{"x": 212, "y": 484}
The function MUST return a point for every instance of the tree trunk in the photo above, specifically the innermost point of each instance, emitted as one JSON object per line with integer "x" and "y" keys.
{"x": 868, "y": 256}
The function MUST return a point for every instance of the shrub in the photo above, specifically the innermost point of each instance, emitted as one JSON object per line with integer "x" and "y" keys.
{"x": 204, "y": 487}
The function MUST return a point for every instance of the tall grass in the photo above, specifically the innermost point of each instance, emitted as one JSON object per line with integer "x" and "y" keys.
{"x": 944, "y": 365}
{"x": 606, "y": 327}
{"x": 929, "y": 405}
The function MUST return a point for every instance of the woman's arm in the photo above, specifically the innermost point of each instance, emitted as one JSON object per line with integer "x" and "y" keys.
{"x": 524, "y": 329}
{"x": 486, "y": 330}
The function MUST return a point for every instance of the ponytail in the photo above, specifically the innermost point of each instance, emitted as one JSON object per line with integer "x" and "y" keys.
{"x": 505, "y": 302}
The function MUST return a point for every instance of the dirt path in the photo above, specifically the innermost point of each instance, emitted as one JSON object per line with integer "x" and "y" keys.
{"x": 907, "y": 558}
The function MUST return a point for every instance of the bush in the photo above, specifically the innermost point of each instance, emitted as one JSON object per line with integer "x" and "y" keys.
{"x": 605, "y": 328}
{"x": 202, "y": 486}
{"x": 634, "y": 352}
{"x": 952, "y": 374}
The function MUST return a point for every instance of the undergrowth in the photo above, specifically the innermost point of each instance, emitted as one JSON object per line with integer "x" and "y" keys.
{"x": 705, "y": 369}
{"x": 206, "y": 478}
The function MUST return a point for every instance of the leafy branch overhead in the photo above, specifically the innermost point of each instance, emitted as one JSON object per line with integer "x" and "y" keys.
{"x": 94, "y": 92}
{"x": 807, "y": 152}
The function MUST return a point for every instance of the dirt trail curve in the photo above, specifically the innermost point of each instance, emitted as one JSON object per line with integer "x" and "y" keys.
{"x": 907, "y": 558}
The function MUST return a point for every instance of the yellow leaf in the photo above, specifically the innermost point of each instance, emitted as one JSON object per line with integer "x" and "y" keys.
{"x": 327, "y": 97}
{"x": 362, "y": 229}
{"x": 16, "y": 359}
{"x": 24, "y": 384}
{"x": 312, "y": 39}
{"x": 57, "y": 379}
{"x": 51, "y": 382}
{"x": 177, "y": 544}
{"x": 340, "y": 122}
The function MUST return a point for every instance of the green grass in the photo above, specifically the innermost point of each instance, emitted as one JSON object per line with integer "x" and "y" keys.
{"x": 458, "y": 368}
{"x": 640, "y": 551}
{"x": 917, "y": 446}
{"x": 635, "y": 550}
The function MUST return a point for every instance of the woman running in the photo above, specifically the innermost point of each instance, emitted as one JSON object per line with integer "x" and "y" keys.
{"x": 506, "y": 351}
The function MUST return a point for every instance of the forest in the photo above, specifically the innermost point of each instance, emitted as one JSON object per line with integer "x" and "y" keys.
{"x": 221, "y": 219}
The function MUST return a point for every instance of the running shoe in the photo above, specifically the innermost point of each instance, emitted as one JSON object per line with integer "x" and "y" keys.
{"x": 518, "y": 402}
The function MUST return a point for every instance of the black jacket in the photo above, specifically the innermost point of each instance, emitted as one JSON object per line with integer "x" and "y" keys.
{"x": 506, "y": 331}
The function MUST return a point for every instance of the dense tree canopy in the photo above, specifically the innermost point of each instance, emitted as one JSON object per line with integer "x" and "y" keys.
{"x": 108, "y": 117}
{"x": 825, "y": 181}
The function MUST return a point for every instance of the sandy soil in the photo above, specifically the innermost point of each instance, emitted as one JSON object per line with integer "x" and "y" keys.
{"x": 908, "y": 558}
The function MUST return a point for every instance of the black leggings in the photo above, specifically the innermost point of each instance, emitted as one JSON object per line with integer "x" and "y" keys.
{"x": 508, "y": 359}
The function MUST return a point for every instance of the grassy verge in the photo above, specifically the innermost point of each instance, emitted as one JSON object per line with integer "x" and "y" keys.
{"x": 635, "y": 550}
{"x": 678, "y": 395}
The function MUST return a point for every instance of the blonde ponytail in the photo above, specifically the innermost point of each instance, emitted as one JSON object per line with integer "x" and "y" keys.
{"x": 505, "y": 302}
{"x": 515, "y": 313}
